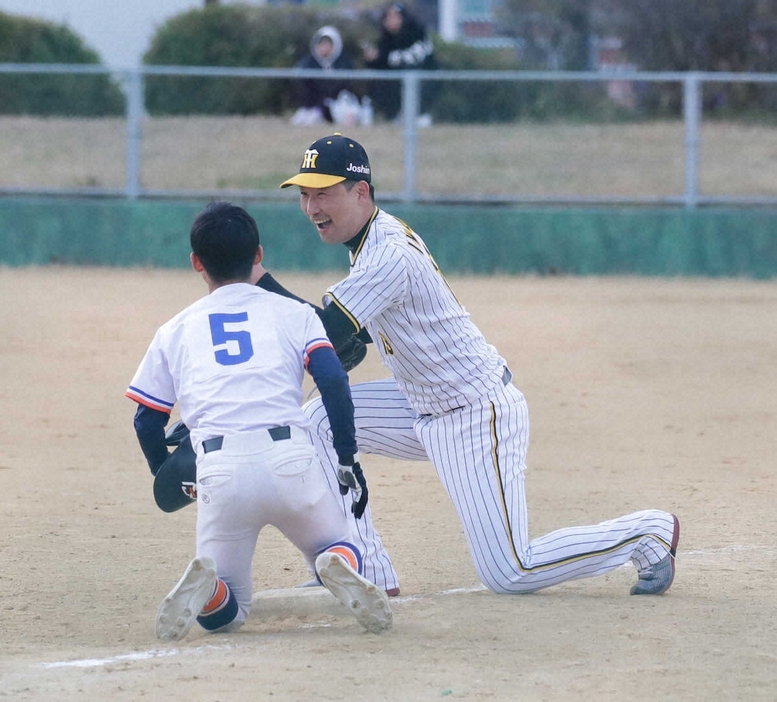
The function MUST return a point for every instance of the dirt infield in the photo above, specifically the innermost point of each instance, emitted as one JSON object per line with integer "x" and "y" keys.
{"x": 642, "y": 393}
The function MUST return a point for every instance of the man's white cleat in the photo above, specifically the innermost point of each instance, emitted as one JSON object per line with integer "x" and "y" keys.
{"x": 366, "y": 601}
{"x": 180, "y": 609}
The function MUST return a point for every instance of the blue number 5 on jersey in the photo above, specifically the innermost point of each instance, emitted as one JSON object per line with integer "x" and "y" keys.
{"x": 221, "y": 336}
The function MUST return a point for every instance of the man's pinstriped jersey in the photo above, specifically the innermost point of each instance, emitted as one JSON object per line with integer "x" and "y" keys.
{"x": 427, "y": 340}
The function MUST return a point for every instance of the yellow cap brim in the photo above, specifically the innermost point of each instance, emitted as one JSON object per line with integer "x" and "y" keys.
{"x": 312, "y": 180}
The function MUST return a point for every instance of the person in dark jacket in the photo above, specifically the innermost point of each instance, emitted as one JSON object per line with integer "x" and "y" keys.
{"x": 314, "y": 96}
{"x": 403, "y": 44}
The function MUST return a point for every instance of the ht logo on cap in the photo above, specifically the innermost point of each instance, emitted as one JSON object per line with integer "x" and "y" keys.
{"x": 309, "y": 160}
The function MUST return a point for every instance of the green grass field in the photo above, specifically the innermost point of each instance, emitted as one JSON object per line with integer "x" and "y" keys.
{"x": 623, "y": 160}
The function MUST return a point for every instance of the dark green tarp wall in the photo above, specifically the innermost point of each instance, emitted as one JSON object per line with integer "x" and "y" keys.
{"x": 463, "y": 239}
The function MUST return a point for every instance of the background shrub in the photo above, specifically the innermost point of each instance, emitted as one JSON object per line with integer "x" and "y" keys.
{"x": 476, "y": 101}
{"x": 481, "y": 101}
{"x": 24, "y": 40}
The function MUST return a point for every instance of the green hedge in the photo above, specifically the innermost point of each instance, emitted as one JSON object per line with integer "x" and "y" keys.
{"x": 477, "y": 240}
{"x": 506, "y": 101}
{"x": 24, "y": 40}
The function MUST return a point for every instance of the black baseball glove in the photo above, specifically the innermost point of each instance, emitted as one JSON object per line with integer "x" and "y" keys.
{"x": 175, "y": 483}
{"x": 176, "y": 433}
{"x": 351, "y": 353}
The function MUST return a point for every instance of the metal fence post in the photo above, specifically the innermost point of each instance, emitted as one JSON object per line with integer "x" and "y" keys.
{"x": 692, "y": 115}
{"x": 410, "y": 102}
{"x": 134, "y": 117}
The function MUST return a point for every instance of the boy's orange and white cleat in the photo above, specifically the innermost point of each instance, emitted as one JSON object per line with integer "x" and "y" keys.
{"x": 183, "y": 604}
{"x": 366, "y": 601}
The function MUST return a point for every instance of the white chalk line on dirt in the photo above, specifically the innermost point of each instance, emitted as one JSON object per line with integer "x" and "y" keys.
{"x": 136, "y": 656}
{"x": 166, "y": 653}
{"x": 724, "y": 550}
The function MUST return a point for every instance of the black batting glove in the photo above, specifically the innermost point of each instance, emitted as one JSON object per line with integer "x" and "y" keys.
{"x": 351, "y": 478}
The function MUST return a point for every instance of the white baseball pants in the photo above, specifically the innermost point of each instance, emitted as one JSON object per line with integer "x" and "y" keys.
{"x": 253, "y": 481}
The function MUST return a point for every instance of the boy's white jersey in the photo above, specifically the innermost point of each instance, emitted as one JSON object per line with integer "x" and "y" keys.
{"x": 234, "y": 361}
{"x": 427, "y": 340}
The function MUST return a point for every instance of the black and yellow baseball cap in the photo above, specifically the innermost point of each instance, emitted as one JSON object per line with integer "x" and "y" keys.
{"x": 331, "y": 160}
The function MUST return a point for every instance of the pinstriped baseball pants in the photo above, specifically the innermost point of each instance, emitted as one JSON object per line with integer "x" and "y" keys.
{"x": 479, "y": 453}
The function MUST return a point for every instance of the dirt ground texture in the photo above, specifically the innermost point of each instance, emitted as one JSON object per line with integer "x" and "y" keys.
{"x": 642, "y": 393}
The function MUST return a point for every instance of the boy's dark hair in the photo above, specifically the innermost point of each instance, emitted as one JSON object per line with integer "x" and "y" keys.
{"x": 225, "y": 238}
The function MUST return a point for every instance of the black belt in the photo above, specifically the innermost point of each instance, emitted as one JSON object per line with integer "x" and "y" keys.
{"x": 276, "y": 434}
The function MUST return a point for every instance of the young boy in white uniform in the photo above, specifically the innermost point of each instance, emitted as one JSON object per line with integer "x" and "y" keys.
{"x": 234, "y": 361}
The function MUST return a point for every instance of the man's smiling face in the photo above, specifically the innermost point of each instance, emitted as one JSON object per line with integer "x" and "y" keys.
{"x": 339, "y": 211}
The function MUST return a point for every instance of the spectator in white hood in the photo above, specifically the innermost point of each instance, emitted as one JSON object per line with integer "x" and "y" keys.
{"x": 315, "y": 96}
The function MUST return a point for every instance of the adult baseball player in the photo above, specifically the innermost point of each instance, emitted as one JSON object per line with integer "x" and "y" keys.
{"x": 234, "y": 361}
{"x": 450, "y": 398}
